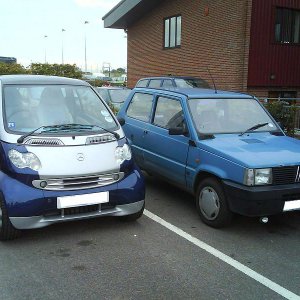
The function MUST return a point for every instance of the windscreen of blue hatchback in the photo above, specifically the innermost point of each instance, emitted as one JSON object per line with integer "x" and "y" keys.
{"x": 229, "y": 115}
{"x": 28, "y": 107}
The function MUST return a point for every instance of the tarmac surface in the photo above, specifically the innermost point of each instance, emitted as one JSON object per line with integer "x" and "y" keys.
{"x": 167, "y": 254}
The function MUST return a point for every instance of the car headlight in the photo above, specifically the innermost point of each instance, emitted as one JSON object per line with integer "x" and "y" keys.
{"x": 24, "y": 160}
{"x": 258, "y": 176}
{"x": 123, "y": 153}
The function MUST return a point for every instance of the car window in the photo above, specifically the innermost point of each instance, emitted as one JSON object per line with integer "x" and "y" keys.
{"x": 167, "y": 83}
{"x": 168, "y": 113}
{"x": 182, "y": 83}
{"x": 154, "y": 83}
{"x": 104, "y": 94}
{"x": 28, "y": 107}
{"x": 119, "y": 96}
{"x": 142, "y": 83}
{"x": 140, "y": 107}
{"x": 229, "y": 115}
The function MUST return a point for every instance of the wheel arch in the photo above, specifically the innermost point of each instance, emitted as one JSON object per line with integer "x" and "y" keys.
{"x": 203, "y": 175}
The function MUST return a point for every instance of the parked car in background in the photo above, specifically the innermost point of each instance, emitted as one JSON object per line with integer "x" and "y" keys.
{"x": 64, "y": 156}
{"x": 114, "y": 96}
{"x": 223, "y": 147}
{"x": 172, "y": 82}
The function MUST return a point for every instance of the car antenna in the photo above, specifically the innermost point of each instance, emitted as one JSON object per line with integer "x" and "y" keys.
{"x": 212, "y": 80}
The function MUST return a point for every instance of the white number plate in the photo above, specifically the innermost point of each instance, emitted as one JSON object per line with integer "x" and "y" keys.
{"x": 291, "y": 205}
{"x": 82, "y": 200}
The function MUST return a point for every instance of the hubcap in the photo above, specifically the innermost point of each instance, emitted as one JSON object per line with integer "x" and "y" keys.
{"x": 209, "y": 203}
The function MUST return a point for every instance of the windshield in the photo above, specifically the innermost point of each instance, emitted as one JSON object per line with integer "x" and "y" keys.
{"x": 28, "y": 107}
{"x": 119, "y": 96}
{"x": 191, "y": 83}
{"x": 229, "y": 115}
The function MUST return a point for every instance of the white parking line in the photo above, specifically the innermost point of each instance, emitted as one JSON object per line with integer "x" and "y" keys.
{"x": 225, "y": 258}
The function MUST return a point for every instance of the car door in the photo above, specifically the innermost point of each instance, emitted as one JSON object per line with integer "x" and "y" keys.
{"x": 137, "y": 118}
{"x": 166, "y": 154}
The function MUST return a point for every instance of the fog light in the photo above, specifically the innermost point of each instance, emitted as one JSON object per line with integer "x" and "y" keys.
{"x": 43, "y": 184}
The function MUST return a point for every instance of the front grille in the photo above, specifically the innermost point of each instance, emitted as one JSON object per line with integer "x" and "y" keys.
{"x": 285, "y": 175}
{"x": 44, "y": 142}
{"x": 77, "y": 183}
{"x": 79, "y": 210}
{"x": 100, "y": 139}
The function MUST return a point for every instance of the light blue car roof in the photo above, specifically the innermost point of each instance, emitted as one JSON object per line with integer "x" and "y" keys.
{"x": 197, "y": 93}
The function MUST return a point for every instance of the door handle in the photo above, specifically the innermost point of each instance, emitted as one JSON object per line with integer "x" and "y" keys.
{"x": 145, "y": 131}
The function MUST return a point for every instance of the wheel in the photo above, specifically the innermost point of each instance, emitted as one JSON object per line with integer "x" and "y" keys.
{"x": 7, "y": 231}
{"x": 133, "y": 217}
{"x": 212, "y": 204}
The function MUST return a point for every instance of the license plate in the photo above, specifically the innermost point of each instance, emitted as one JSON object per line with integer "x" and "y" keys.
{"x": 291, "y": 205}
{"x": 82, "y": 200}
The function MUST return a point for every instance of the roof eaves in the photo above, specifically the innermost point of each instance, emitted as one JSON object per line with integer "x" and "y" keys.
{"x": 116, "y": 17}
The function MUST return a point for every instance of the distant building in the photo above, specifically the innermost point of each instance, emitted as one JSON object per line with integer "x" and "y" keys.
{"x": 8, "y": 60}
{"x": 249, "y": 45}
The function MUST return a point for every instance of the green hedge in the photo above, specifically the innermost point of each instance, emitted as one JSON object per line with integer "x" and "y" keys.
{"x": 71, "y": 71}
{"x": 284, "y": 113}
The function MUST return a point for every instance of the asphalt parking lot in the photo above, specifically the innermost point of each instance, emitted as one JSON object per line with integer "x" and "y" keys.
{"x": 167, "y": 254}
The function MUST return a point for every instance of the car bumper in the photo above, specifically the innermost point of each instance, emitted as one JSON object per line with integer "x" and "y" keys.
{"x": 30, "y": 207}
{"x": 42, "y": 221}
{"x": 261, "y": 201}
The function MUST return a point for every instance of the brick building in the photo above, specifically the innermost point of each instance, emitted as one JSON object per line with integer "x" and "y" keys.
{"x": 249, "y": 45}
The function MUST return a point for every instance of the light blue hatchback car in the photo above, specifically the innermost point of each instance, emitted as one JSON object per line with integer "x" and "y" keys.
{"x": 223, "y": 147}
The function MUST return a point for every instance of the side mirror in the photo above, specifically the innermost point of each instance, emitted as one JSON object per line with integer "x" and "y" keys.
{"x": 177, "y": 131}
{"x": 121, "y": 121}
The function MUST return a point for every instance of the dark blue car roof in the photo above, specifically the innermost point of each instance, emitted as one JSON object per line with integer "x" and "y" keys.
{"x": 197, "y": 93}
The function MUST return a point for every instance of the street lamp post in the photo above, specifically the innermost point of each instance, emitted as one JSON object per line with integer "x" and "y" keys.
{"x": 62, "y": 45}
{"x": 45, "y": 37}
{"x": 85, "y": 60}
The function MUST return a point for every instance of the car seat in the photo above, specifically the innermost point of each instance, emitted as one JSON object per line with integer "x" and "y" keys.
{"x": 52, "y": 109}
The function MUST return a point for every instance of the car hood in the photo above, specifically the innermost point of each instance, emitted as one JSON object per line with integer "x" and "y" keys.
{"x": 257, "y": 150}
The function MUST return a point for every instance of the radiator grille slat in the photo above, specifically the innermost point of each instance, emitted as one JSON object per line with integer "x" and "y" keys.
{"x": 77, "y": 183}
{"x": 285, "y": 175}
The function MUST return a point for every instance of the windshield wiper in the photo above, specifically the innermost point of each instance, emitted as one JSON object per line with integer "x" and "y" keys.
{"x": 24, "y": 136}
{"x": 254, "y": 128}
{"x": 67, "y": 127}
{"x": 81, "y": 126}
{"x": 52, "y": 128}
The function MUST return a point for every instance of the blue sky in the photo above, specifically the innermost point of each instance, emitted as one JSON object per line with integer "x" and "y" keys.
{"x": 25, "y": 23}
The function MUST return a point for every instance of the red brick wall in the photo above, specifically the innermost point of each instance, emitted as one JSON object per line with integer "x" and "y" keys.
{"x": 219, "y": 41}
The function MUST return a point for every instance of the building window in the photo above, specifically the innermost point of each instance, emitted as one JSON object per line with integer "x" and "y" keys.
{"x": 172, "y": 32}
{"x": 287, "y": 26}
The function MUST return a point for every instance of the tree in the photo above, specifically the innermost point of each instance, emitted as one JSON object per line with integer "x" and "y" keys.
{"x": 66, "y": 70}
{"x": 7, "y": 69}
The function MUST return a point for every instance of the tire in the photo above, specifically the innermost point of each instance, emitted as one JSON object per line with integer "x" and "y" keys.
{"x": 7, "y": 231}
{"x": 212, "y": 204}
{"x": 133, "y": 217}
